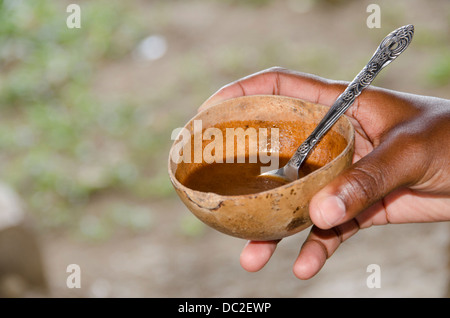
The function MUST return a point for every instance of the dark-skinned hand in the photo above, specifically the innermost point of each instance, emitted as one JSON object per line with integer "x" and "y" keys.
{"x": 400, "y": 171}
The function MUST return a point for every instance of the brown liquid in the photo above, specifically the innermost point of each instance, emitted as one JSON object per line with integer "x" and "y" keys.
{"x": 236, "y": 178}
{"x": 242, "y": 178}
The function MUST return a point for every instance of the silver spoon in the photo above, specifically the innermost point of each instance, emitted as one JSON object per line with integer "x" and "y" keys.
{"x": 391, "y": 47}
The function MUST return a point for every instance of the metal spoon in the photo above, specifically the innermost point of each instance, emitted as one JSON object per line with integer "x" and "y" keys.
{"x": 391, "y": 47}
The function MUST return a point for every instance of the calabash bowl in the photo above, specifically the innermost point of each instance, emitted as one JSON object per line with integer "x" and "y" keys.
{"x": 275, "y": 213}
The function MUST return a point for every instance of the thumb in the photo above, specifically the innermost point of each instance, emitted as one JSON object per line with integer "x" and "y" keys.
{"x": 386, "y": 168}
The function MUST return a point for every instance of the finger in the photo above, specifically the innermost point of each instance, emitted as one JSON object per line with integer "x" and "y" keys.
{"x": 411, "y": 206}
{"x": 397, "y": 162}
{"x": 319, "y": 246}
{"x": 279, "y": 81}
{"x": 256, "y": 254}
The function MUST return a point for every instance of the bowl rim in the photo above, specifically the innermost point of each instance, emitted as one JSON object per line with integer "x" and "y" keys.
{"x": 182, "y": 187}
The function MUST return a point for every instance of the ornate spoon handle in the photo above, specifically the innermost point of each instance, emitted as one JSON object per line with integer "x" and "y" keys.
{"x": 391, "y": 47}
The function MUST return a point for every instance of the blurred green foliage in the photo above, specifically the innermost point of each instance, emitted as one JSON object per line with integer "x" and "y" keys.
{"x": 60, "y": 145}
{"x": 249, "y": 3}
{"x": 439, "y": 74}
{"x": 117, "y": 216}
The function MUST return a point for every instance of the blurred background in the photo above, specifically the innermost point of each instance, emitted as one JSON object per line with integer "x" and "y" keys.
{"x": 86, "y": 116}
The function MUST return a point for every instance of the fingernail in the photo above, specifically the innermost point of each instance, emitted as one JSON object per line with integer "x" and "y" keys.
{"x": 332, "y": 210}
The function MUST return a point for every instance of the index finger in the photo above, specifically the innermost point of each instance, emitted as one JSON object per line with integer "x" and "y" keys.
{"x": 280, "y": 81}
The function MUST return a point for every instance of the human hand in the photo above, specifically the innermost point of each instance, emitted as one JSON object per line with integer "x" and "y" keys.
{"x": 400, "y": 171}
